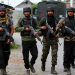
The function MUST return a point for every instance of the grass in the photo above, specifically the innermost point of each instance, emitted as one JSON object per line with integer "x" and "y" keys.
{"x": 12, "y": 46}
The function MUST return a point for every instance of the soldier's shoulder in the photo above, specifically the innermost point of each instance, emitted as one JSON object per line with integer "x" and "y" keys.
{"x": 21, "y": 19}
{"x": 33, "y": 19}
{"x": 63, "y": 19}
{"x": 43, "y": 19}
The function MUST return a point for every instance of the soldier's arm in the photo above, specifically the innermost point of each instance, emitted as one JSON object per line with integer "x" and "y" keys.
{"x": 18, "y": 28}
{"x": 42, "y": 22}
{"x": 11, "y": 27}
{"x": 37, "y": 27}
{"x": 60, "y": 24}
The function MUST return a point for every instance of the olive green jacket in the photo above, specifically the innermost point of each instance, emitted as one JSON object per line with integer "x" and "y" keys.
{"x": 19, "y": 29}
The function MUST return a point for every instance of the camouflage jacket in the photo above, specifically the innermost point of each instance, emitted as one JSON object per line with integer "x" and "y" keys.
{"x": 60, "y": 24}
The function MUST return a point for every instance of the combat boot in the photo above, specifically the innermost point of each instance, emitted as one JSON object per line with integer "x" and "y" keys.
{"x": 5, "y": 73}
{"x": 68, "y": 71}
{"x": 28, "y": 72}
{"x": 65, "y": 69}
{"x": 43, "y": 66}
{"x": 32, "y": 68}
{"x": 1, "y": 72}
{"x": 73, "y": 65}
{"x": 53, "y": 70}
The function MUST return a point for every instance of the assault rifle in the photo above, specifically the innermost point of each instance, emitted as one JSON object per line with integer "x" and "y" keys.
{"x": 6, "y": 33}
{"x": 69, "y": 30}
{"x": 50, "y": 30}
{"x": 34, "y": 32}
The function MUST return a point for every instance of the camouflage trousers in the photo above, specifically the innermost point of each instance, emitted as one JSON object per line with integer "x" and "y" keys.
{"x": 47, "y": 42}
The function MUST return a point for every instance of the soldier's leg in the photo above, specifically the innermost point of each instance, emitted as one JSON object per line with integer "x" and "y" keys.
{"x": 2, "y": 63}
{"x": 34, "y": 53}
{"x": 25, "y": 52}
{"x": 69, "y": 50}
{"x": 64, "y": 58}
{"x": 7, "y": 53}
{"x": 72, "y": 60}
{"x": 73, "y": 53}
{"x": 54, "y": 47}
{"x": 45, "y": 52}
{"x": 26, "y": 47}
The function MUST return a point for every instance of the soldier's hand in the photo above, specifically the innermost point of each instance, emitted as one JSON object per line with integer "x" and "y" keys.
{"x": 8, "y": 41}
{"x": 57, "y": 35}
{"x": 67, "y": 31}
{"x": 1, "y": 29}
{"x": 43, "y": 27}
{"x": 60, "y": 30}
{"x": 35, "y": 33}
{"x": 27, "y": 29}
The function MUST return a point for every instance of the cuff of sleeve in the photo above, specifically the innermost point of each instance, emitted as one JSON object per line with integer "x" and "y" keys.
{"x": 38, "y": 30}
{"x": 23, "y": 28}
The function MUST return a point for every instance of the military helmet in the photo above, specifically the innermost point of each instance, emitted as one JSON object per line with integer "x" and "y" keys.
{"x": 2, "y": 8}
{"x": 70, "y": 9}
{"x": 27, "y": 9}
{"x": 50, "y": 9}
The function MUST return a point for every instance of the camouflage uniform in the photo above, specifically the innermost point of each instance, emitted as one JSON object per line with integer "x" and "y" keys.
{"x": 47, "y": 42}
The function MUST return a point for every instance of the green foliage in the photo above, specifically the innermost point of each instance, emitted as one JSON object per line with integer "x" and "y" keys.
{"x": 33, "y": 6}
{"x": 19, "y": 14}
{"x": 2, "y": 2}
{"x": 67, "y": 0}
{"x": 12, "y": 46}
{"x": 44, "y": 0}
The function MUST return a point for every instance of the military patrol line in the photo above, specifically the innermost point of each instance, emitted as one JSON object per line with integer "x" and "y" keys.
{"x": 29, "y": 30}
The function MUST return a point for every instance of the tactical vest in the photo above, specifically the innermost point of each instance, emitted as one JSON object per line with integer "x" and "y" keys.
{"x": 26, "y": 23}
{"x": 4, "y": 21}
{"x": 44, "y": 32}
{"x": 70, "y": 24}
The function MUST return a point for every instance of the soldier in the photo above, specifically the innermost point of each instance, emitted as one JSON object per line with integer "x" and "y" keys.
{"x": 28, "y": 44}
{"x": 50, "y": 20}
{"x": 6, "y": 44}
{"x": 69, "y": 41}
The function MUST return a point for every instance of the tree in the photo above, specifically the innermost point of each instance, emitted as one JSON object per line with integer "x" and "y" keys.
{"x": 58, "y": 0}
{"x": 2, "y": 2}
{"x": 67, "y": 0}
{"x": 44, "y": 0}
{"x": 33, "y": 6}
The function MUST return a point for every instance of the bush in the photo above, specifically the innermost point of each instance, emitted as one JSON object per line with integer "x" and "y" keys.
{"x": 12, "y": 46}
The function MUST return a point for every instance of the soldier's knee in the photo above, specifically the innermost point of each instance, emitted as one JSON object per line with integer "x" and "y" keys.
{"x": 35, "y": 56}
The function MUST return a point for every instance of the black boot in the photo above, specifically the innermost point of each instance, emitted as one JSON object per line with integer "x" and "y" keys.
{"x": 1, "y": 71}
{"x": 43, "y": 66}
{"x": 73, "y": 65}
{"x": 27, "y": 72}
{"x": 5, "y": 73}
{"x": 32, "y": 68}
{"x": 65, "y": 69}
{"x": 53, "y": 70}
{"x": 68, "y": 71}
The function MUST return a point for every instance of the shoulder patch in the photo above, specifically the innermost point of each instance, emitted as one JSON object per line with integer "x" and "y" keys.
{"x": 63, "y": 19}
